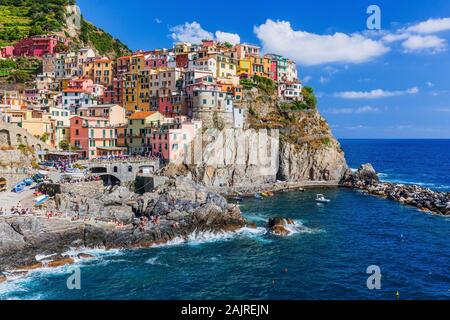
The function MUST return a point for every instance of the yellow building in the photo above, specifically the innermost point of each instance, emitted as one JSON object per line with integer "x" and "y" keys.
{"x": 100, "y": 70}
{"x": 226, "y": 66}
{"x": 245, "y": 67}
{"x": 137, "y": 133}
{"x": 40, "y": 125}
{"x": 136, "y": 89}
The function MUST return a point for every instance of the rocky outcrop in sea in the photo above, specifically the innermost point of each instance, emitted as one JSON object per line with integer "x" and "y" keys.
{"x": 366, "y": 179}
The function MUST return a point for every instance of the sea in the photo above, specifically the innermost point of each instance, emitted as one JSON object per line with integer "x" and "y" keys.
{"x": 355, "y": 247}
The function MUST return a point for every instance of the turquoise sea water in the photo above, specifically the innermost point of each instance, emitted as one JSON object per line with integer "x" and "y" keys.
{"x": 325, "y": 258}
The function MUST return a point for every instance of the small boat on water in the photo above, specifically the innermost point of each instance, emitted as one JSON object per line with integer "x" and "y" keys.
{"x": 321, "y": 199}
{"x": 265, "y": 194}
{"x": 238, "y": 198}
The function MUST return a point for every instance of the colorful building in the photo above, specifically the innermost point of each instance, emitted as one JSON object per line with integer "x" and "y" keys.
{"x": 139, "y": 125}
{"x": 37, "y": 46}
{"x": 93, "y": 136}
{"x": 172, "y": 141}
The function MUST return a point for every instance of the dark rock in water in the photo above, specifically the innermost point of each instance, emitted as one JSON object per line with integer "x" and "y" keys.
{"x": 279, "y": 225}
{"x": 85, "y": 256}
{"x": 428, "y": 200}
{"x": 60, "y": 262}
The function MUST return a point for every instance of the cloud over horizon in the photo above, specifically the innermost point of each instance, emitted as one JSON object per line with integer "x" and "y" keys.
{"x": 194, "y": 33}
{"x": 311, "y": 49}
{"x": 375, "y": 94}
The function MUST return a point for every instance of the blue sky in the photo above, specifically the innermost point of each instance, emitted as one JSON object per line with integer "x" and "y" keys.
{"x": 392, "y": 83}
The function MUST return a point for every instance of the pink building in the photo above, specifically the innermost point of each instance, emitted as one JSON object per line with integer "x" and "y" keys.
{"x": 85, "y": 84}
{"x": 7, "y": 52}
{"x": 173, "y": 141}
{"x": 37, "y": 46}
{"x": 94, "y": 136}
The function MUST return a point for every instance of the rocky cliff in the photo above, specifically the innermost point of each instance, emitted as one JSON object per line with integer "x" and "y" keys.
{"x": 235, "y": 157}
{"x": 309, "y": 151}
{"x": 277, "y": 144}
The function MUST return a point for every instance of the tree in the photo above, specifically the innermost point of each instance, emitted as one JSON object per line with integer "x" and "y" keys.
{"x": 309, "y": 97}
{"x": 45, "y": 136}
{"x": 64, "y": 145}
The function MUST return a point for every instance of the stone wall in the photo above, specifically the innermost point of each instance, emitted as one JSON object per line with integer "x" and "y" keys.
{"x": 12, "y": 136}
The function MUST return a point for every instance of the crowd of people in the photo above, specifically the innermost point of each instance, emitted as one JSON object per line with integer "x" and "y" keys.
{"x": 18, "y": 210}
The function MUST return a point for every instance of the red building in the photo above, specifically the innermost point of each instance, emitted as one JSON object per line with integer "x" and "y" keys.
{"x": 37, "y": 46}
{"x": 182, "y": 60}
{"x": 172, "y": 106}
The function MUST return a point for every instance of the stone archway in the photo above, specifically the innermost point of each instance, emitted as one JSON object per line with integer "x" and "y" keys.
{"x": 19, "y": 138}
{"x": 110, "y": 180}
{"x": 5, "y": 138}
{"x": 97, "y": 170}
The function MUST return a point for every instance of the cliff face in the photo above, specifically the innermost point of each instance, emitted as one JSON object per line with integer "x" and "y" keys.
{"x": 277, "y": 144}
{"x": 236, "y": 157}
{"x": 309, "y": 151}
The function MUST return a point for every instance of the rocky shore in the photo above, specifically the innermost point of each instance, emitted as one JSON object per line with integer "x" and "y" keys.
{"x": 366, "y": 179}
{"x": 95, "y": 217}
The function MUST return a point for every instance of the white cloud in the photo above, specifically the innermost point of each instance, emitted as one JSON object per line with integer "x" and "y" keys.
{"x": 158, "y": 21}
{"x": 194, "y": 33}
{"x": 431, "y": 26}
{"x": 357, "y": 127}
{"x": 232, "y": 38}
{"x": 374, "y": 94}
{"x": 421, "y": 43}
{"x": 323, "y": 79}
{"x": 307, "y": 79}
{"x": 314, "y": 49}
{"x": 430, "y": 84}
{"x": 363, "y": 109}
{"x": 394, "y": 37}
{"x": 190, "y": 32}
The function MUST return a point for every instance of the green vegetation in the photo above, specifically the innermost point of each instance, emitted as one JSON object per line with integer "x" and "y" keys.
{"x": 247, "y": 84}
{"x": 265, "y": 85}
{"x": 22, "y": 18}
{"x": 102, "y": 41}
{"x": 19, "y": 70}
{"x": 309, "y": 97}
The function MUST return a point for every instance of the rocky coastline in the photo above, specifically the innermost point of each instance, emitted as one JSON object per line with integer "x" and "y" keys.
{"x": 90, "y": 216}
{"x": 427, "y": 200}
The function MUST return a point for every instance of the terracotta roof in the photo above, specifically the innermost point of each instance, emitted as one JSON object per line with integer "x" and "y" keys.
{"x": 141, "y": 115}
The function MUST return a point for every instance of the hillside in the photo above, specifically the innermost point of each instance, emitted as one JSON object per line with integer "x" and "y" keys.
{"x": 22, "y": 18}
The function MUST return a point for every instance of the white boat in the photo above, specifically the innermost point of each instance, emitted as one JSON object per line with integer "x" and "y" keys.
{"x": 73, "y": 174}
{"x": 321, "y": 198}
